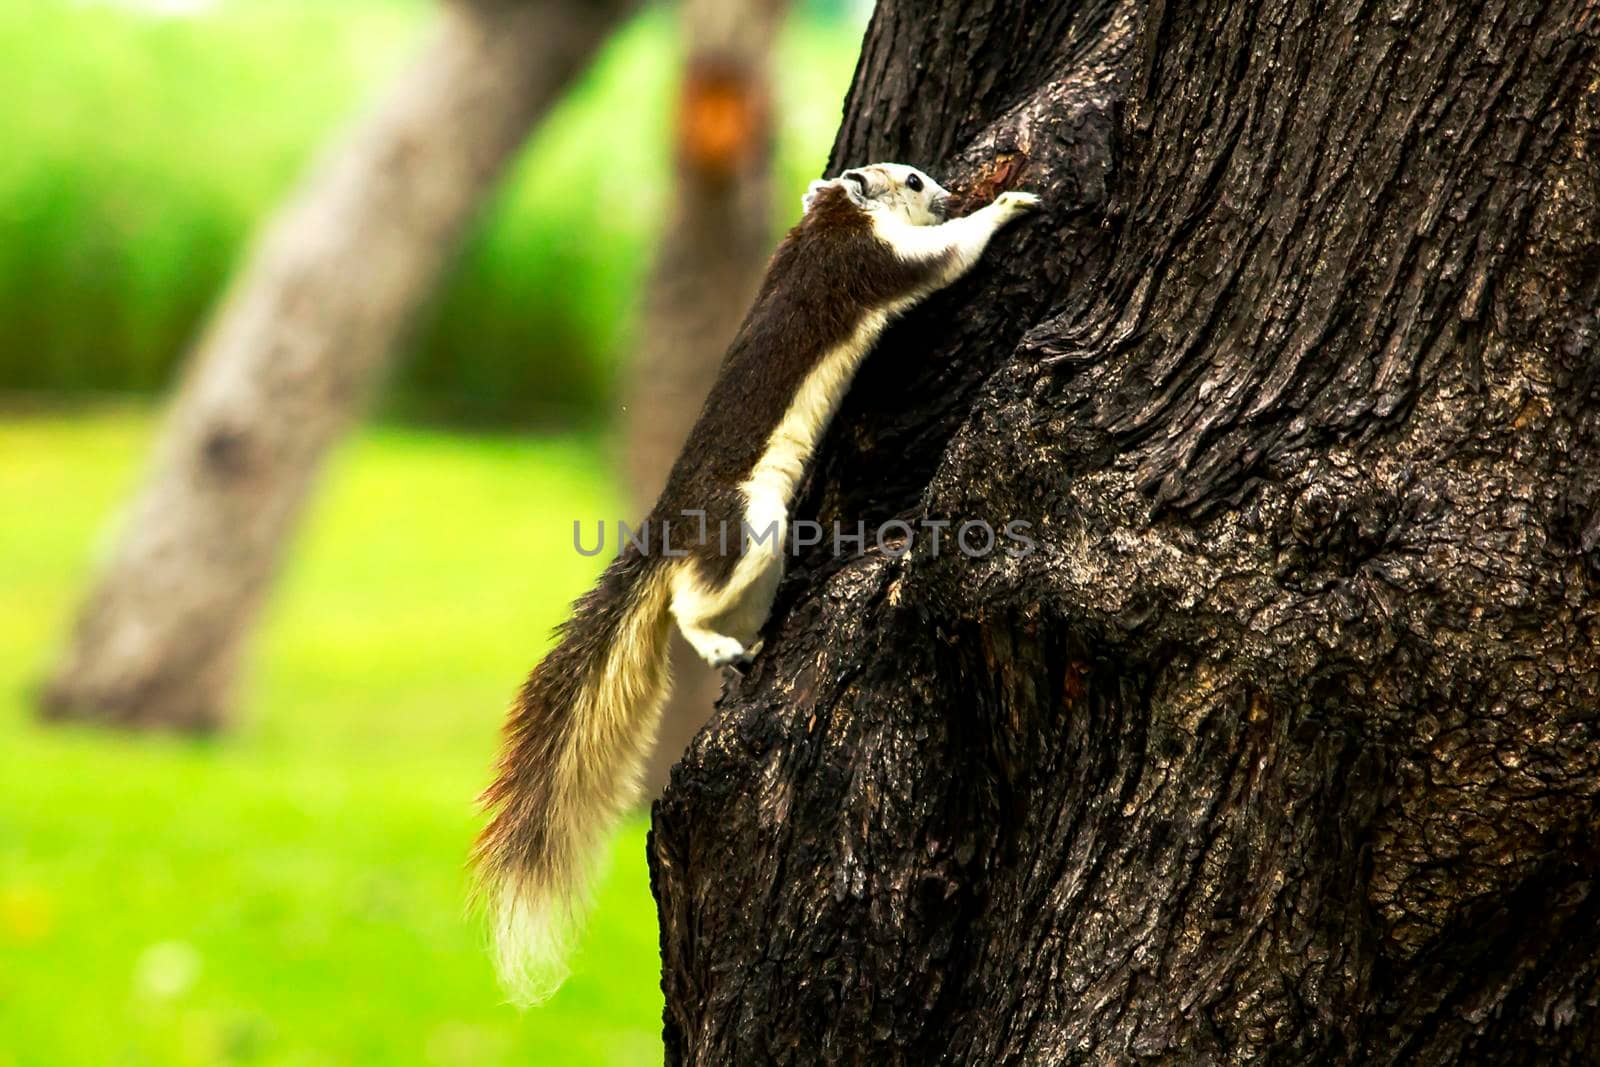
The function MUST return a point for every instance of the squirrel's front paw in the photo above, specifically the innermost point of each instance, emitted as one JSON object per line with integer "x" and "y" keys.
{"x": 1016, "y": 202}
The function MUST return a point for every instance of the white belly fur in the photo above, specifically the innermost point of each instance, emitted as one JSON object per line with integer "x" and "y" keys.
{"x": 723, "y": 622}
{"x": 770, "y": 489}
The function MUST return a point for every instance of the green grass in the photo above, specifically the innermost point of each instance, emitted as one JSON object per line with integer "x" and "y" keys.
{"x": 142, "y": 152}
{"x": 292, "y": 893}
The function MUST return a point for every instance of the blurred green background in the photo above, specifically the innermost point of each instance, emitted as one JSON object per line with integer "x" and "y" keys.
{"x": 293, "y": 892}
{"x": 138, "y": 152}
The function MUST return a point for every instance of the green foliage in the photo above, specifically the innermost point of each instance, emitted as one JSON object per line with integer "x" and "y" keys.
{"x": 293, "y": 893}
{"x": 145, "y": 150}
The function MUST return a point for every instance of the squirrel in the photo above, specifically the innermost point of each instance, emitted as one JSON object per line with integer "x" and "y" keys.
{"x": 869, "y": 245}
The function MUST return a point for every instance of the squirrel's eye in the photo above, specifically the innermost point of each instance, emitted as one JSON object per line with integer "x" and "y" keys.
{"x": 914, "y": 183}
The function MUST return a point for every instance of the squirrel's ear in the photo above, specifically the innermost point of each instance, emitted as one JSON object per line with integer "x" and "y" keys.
{"x": 860, "y": 185}
{"x": 811, "y": 194}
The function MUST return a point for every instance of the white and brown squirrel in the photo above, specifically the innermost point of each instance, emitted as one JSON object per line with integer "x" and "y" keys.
{"x": 869, "y": 245}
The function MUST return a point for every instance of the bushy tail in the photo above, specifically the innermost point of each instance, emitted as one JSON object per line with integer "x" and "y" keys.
{"x": 574, "y": 745}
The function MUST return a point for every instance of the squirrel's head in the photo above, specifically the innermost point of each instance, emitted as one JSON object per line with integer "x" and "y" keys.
{"x": 904, "y": 190}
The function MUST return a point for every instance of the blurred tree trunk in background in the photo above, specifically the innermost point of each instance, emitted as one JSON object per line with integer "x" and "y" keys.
{"x": 1283, "y": 746}
{"x": 711, "y": 258}
{"x": 294, "y": 353}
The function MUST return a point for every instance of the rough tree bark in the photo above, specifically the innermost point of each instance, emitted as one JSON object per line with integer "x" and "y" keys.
{"x": 1285, "y": 743}
{"x": 294, "y": 353}
{"x": 712, "y": 252}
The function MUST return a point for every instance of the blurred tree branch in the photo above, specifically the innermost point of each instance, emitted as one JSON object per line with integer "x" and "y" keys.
{"x": 710, "y": 261}
{"x": 294, "y": 353}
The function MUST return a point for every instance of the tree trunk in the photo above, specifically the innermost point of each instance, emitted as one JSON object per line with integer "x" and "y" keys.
{"x": 711, "y": 258}
{"x": 294, "y": 353}
{"x": 1283, "y": 745}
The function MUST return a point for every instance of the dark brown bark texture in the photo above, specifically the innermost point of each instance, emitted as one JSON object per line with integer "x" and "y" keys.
{"x": 1284, "y": 746}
